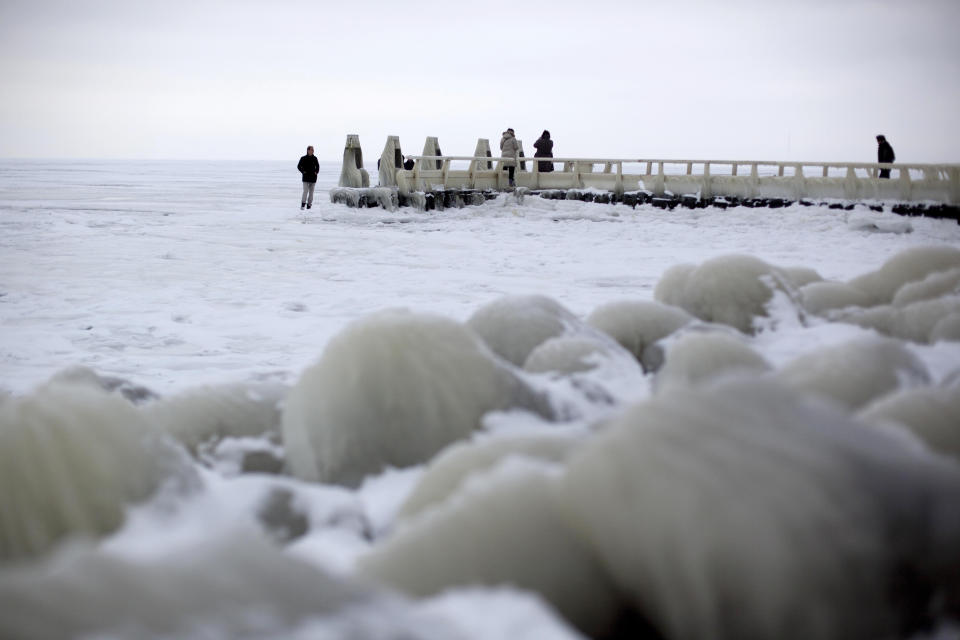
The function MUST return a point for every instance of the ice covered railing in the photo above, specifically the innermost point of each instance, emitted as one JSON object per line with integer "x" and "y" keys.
{"x": 706, "y": 178}
{"x": 744, "y": 179}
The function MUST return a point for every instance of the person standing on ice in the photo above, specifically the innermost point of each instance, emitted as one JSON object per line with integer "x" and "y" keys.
{"x": 884, "y": 154}
{"x": 509, "y": 151}
{"x": 308, "y": 167}
{"x": 544, "y": 147}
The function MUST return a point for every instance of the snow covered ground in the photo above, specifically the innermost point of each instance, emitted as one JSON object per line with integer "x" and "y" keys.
{"x": 176, "y": 275}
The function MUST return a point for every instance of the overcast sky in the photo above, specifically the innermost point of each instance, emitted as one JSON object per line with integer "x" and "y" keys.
{"x": 204, "y": 79}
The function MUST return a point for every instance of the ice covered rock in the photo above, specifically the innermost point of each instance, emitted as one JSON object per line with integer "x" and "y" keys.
{"x": 447, "y": 472}
{"x": 742, "y": 492}
{"x": 819, "y": 297}
{"x": 513, "y": 326}
{"x": 509, "y": 529}
{"x": 574, "y": 354}
{"x": 392, "y": 389}
{"x": 746, "y": 493}
{"x": 734, "y": 290}
{"x": 854, "y": 373}
{"x": 79, "y": 374}
{"x": 935, "y": 285}
{"x": 697, "y": 357}
{"x": 947, "y": 328}
{"x": 72, "y": 458}
{"x": 209, "y": 413}
{"x": 918, "y": 322}
{"x": 235, "y": 587}
{"x": 637, "y": 325}
{"x": 801, "y": 276}
{"x": 911, "y": 265}
{"x": 930, "y": 413}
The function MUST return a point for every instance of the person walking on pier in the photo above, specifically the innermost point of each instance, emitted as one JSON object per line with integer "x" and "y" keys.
{"x": 308, "y": 167}
{"x": 544, "y": 147}
{"x": 884, "y": 154}
{"x": 509, "y": 151}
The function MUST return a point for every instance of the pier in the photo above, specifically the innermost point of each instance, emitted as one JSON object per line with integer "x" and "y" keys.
{"x": 437, "y": 181}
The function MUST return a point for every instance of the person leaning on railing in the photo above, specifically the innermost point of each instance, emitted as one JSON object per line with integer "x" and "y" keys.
{"x": 885, "y": 154}
{"x": 544, "y": 147}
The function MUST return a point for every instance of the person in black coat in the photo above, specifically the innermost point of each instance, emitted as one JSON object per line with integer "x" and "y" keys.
{"x": 308, "y": 167}
{"x": 544, "y": 147}
{"x": 884, "y": 154}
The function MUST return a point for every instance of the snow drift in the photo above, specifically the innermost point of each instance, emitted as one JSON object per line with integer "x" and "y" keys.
{"x": 392, "y": 389}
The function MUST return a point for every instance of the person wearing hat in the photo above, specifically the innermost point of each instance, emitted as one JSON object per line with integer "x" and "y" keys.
{"x": 509, "y": 151}
{"x": 884, "y": 154}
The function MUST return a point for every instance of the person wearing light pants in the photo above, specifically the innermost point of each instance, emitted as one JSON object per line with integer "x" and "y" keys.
{"x": 308, "y": 167}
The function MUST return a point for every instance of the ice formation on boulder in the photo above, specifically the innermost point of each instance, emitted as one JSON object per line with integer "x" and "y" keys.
{"x": 854, "y": 373}
{"x": 237, "y": 586}
{"x": 637, "y": 325}
{"x": 744, "y": 492}
{"x": 911, "y": 265}
{"x": 213, "y": 412}
{"x": 79, "y": 374}
{"x": 924, "y": 321}
{"x": 698, "y": 357}
{"x": 71, "y": 459}
{"x": 733, "y": 290}
{"x": 930, "y": 413}
{"x": 935, "y": 285}
{"x": 447, "y": 472}
{"x": 392, "y": 389}
{"x": 513, "y": 326}
{"x": 510, "y": 528}
{"x": 819, "y": 297}
{"x": 747, "y": 493}
{"x": 801, "y": 276}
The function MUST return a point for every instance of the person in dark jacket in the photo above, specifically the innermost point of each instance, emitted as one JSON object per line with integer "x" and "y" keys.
{"x": 884, "y": 154}
{"x": 308, "y": 167}
{"x": 544, "y": 147}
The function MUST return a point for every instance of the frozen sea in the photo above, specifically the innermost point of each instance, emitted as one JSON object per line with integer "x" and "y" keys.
{"x": 177, "y": 276}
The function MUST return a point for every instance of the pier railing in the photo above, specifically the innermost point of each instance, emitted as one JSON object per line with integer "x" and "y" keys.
{"x": 707, "y": 178}
{"x": 432, "y": 170}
